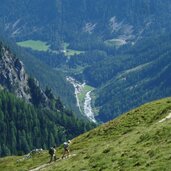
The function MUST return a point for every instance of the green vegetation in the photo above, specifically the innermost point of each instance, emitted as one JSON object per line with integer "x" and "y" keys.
{"x": 11, "y": 163}
{"x": 34, "y": 44}
{"x": 34, "y": 67}
{"x": 84, "y": 91}
{"x": 99, "y": 71}
{"x": 54, "y": 79}
{"x": 72, "y": 25}
{"x": 70, "y": 52}
{"x": 82, "y": 94}
{"x": 129, "y": 79}
{"x": 65, "y": 45}
{"x": 134, "y": 141}
{"x": 40, "y": 122}
{"x": 24, "y": 127}
{"x": 114, "y": 42}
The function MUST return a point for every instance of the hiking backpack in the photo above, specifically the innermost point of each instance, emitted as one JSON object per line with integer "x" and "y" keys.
{"x": 65, "y": 145}
{"x": 51, "y": 151}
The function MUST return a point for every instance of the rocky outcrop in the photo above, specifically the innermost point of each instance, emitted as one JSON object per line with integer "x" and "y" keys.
{"x": 12, "y": 74}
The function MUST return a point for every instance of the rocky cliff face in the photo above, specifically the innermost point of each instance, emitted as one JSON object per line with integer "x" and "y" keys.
{"x": 12, "y": 74}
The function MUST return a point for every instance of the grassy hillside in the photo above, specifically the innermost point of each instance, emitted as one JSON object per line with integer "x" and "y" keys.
{"x": 134, "y": 141}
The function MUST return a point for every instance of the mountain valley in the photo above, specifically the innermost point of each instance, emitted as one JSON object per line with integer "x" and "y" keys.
{"x": 95, "y": 72}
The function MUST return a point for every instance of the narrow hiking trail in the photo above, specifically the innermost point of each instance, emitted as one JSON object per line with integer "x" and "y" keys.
{"x": 40, "y": 167}
{"x": 48, "y": 164}
{"x": 166, "y": 118}
{"x": 45, "y": 165}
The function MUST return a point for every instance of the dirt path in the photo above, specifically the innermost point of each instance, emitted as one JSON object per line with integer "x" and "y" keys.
{"x": 40, "y": 167}
{"x": 47, "y": 164}
{"x": 166, "y": 118}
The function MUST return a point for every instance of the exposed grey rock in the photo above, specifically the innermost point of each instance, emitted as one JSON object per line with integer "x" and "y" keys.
{"x": 12, "y": 74}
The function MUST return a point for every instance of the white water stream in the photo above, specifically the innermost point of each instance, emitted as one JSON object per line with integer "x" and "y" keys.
{"x": 87, "y": 109}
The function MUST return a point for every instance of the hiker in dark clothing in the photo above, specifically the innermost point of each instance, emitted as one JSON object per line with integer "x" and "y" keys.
{"x": 66, "y": 149}
{"x": 52, "y": 152}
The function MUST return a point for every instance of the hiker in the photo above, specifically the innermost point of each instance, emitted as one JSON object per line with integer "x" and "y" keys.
{"x": 66, "y": 149}
{"x": 52, "y": 152}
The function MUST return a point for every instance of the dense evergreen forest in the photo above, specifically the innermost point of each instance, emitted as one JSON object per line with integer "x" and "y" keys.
{"x": 24, "y": 127}
{"x": 141, "y": 75}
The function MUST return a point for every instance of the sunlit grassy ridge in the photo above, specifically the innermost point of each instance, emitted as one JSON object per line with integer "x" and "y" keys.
{"x": 34, "y": 44}
{"x": 134, "y": 141}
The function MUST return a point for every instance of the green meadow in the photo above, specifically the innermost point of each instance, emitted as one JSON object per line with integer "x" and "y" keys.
{"x": 70, "y": 52}
{"x": 34, "y": 45}
{"x": 43, "y": 46}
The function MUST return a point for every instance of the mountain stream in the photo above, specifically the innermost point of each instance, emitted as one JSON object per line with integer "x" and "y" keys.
{"x": 87, "y": 108}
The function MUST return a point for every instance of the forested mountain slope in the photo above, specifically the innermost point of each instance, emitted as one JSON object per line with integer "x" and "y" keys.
{"x": 26, "y": 19}
{"x": 141, "y": 75}
{"x": 119, "y": 47}
{"x": 47, "y": 76}
{"x": 137, "y": 140}
{"x": 30, "y": 117}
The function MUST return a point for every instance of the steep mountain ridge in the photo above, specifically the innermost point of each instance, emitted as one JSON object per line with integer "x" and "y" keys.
{"x": 12, "y": 74}
{"x": 46, "y": 76}
{"x": 14, "y": 78}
